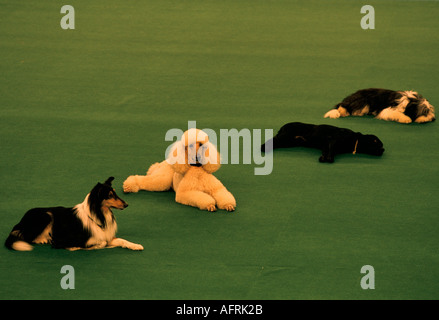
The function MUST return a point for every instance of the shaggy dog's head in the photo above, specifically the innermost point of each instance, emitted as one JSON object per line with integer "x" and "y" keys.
{"x": 194, "y": 150}
{"x": 416, "y": 106}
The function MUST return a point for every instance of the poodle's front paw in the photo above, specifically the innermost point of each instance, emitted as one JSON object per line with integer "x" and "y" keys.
{"x": 130, "y": 185}
{"x": 229, "y": 207}
{"x": 135, "y": 246}
{"x": 211, "y": 208}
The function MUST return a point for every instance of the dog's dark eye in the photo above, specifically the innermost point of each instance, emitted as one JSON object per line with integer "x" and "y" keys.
{"x": 193, "y": 145}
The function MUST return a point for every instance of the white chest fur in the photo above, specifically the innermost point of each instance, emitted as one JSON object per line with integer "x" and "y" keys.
{"x": 100, "y": 235}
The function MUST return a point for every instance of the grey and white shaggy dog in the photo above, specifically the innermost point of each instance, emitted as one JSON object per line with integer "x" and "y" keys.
{"x": 384, "y": 104}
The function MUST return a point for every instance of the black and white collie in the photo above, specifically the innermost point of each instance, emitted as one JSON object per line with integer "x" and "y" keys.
{"x": 88, "y": 225}
{"x": 400, "y": 106}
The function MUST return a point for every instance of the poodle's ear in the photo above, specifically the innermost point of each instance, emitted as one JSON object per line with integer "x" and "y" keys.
{"x": 176, "y": 156}
{"x": 209, "y": 157}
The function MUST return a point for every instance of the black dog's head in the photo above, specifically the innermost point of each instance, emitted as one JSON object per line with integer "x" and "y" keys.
{"x": 370, "y": 144}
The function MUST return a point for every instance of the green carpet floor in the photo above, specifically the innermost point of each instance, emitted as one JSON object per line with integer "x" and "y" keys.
{"x": 78, "y": 106}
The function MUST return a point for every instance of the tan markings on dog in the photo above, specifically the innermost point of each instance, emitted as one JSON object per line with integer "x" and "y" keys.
{"x": 343, "y": 112}
{"x": 46, "y": 235}
{"x": 16, "y": 233}
{"x": 361, "y": 112}
{"x": 390, "y": 114}
{"x": 423, "y": 119}
{"x": 74, "y": 248}
{"x": 300, "y": 137}
{"x": 427, "y": 104}
{"x": 410, "y": 94}
{"x": 402, "y": 103}
{"x": 333, "y": 114}
{"x": 112, "y": 203}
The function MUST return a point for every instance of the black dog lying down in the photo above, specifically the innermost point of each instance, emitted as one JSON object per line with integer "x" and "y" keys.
{"x": 331, "y": 140}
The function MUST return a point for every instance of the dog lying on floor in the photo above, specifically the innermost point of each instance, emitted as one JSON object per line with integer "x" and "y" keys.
{"x": 331, "y": 140}
{"x": 188, "y": 170}
{"x": 88, "y": 225}
{"x": 384, "y": 104}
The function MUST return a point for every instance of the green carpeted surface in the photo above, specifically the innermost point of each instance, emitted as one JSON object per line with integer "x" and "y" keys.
{"x": 80, "y": 105}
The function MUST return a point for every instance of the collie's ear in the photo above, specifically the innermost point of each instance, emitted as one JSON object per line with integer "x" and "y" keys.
{"x": 109, "y": 180}
{"x": 176, "y": 156}
{"x": 209, "y": 157}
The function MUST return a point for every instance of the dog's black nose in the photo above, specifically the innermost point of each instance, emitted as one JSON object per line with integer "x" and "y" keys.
{"x": 125, "y": 205}
{"x": 197, "y": 164}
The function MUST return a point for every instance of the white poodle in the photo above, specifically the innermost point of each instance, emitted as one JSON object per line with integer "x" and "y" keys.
{"x": 188, "y": 171}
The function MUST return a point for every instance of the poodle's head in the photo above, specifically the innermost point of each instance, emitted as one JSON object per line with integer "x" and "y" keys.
{"x": 194, "y": 150}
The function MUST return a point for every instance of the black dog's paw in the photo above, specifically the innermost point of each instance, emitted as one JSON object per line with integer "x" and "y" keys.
{"x": 326, "y": 159}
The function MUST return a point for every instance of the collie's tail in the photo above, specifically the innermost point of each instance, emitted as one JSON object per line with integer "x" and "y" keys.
{"x": 16, "y": 242}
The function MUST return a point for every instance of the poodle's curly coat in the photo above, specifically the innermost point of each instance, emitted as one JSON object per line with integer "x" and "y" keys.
{"x": 188, "y": 173}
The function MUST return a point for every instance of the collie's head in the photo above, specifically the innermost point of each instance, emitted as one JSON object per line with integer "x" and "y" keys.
{"x": 102, "y": 199}
{"x": 194, "y": 150}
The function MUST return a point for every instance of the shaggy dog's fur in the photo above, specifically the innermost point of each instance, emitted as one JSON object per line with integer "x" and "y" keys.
{"x": 331, "y": 140}
{"x": 400, "y": 106}
{"x": 88, "y": 225}
{"x": 188, "y": 171}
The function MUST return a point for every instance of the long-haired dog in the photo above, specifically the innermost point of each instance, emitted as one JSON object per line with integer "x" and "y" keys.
{"x": 384, "y": 104}
{"x": 88, "y": 225}
{"x": 188, "y": 170}
{"x": 331, "y": 140}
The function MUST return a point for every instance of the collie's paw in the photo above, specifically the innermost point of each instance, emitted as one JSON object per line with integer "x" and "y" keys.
{"x": 211, "y": 208}
{"x": 130, "y": 185}
{"x": 229, "y": 207}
